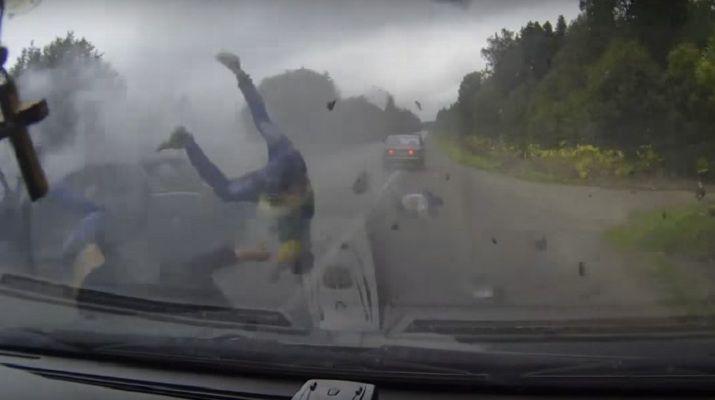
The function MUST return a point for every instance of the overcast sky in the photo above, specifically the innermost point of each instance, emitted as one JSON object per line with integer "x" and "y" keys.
{"x": 415, "y": 49}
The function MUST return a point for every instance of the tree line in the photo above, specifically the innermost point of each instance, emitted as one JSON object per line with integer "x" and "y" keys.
{"x": 68, "y": 68}
{"x": 624, "y": 75}
{"x": 298, "y": 101}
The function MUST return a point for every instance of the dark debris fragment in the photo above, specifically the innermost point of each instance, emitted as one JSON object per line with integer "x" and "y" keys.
{"x": 395, "y": 226}
{"x": 361, "y": 183}
{"x": 581, "y": 268}
{"x": 494, "y": 240}
{"x": 331, "y": 104}
{"x": 541, "y": 244}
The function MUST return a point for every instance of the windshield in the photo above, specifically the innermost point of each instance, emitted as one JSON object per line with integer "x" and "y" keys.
{"x": 235, "y": 168}
{"x": 403, "y": 140}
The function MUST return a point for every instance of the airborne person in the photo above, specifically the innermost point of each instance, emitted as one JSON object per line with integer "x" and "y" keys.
{"x": 281, "y": 187}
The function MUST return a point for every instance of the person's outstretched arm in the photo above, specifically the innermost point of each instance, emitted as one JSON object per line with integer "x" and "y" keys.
{"x": 271, "y": 133}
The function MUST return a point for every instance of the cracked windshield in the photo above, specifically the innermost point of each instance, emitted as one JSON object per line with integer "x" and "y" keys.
{"x": 424, "y": 174}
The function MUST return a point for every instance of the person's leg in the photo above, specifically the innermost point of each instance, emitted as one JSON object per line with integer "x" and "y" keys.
{"x": 245, "y": 188}
{"x": 274, "y": 137}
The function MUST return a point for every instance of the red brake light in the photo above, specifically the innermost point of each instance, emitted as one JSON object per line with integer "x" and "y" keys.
{"x": 391, "y": 152}
{"x": 411, "y": 152}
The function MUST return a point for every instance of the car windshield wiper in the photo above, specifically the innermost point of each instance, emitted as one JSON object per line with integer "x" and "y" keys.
{"x": 387, "y": 364}
{"x": 34, "y": 289}
{"x": 31, "y": 340}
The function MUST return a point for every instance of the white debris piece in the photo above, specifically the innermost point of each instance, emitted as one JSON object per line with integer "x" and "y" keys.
{"x": 483, "y": 293}
{"x": 415, "y": 203}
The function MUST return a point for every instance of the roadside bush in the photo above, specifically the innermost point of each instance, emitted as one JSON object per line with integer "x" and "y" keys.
{"x": 581, "y": 162}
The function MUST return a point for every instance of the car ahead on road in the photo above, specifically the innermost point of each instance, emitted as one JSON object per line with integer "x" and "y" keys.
{"x": 405, "y": 150}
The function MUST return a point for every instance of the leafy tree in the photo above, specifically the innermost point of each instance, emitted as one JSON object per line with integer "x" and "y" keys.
{"x": 700, "y": 23}
{"x": 561, "y": 27}
{"x": 65, "y": 72}
{"x": 399, "y": 120}
{"x": 297, "y": 101}
{"x": 656, "y": 23}
{"x": 624, "y": 98}
{"x": 622, "y": 75}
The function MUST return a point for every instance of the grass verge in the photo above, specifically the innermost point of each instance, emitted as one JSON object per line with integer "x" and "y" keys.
{"x": 685, "y": 231}
{"x": 579, "y": 165}
{"x": 674, "y": 247}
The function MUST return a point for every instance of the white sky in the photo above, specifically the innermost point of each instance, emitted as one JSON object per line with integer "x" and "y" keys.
{"x": 417, "y": 50}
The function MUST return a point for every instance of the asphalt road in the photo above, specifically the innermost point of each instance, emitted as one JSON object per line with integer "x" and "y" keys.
{"x": 498, "y": 249}
{"x": 501, "y": 248}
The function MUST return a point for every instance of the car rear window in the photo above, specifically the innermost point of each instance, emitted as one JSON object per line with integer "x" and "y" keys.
{"x": 403, "y": 140}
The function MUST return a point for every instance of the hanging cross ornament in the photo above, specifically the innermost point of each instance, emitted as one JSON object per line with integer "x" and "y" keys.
{"x": 16, "y": 117}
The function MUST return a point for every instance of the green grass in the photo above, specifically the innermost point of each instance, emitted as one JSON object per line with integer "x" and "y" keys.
{"x": 575, "y": 165}
{"x": 687, "y": 231}
{"x": 496, "y": 163}
{"x": 464, "y": 157}
{"x": 667, "y": 245}
{"x": 685, "y": 289}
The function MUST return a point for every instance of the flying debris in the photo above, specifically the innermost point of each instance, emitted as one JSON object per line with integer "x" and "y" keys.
{"x": 664, "y": 215}
{"x": 331, "y": 104}
{"x": 433, "y": 201}
{"x": 361, "y": 183}
{"x": 581, "y": 268}
{"x": 447, "y": 176}
{"x": 419, "y": 105}
{"x": 494, "y": 240}
{"x": 541, "y": 244}
{"x": 395, "y": 227}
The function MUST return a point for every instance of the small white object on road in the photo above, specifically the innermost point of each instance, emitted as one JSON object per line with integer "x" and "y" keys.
{"x": 483, "y": 293}
{"x": 416, "y": 203}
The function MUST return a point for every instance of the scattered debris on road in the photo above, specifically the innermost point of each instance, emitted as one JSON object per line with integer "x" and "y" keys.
{"x": 413, "y": 204}
{"x": 581, "y": 268}
{"x": 541, "y": 244}
{"x": 361, "y": 183}
{"x": 483, "y": 293}
{"x": 420, "y": 205}
{"x": 433, "y": 202}
{"x": 395, "y": 226}
{"x": 344, "y": 246}
{"x": 331, "y": 104}
{"x": 700, "y": 191}
{"x": 494, "y": 240}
